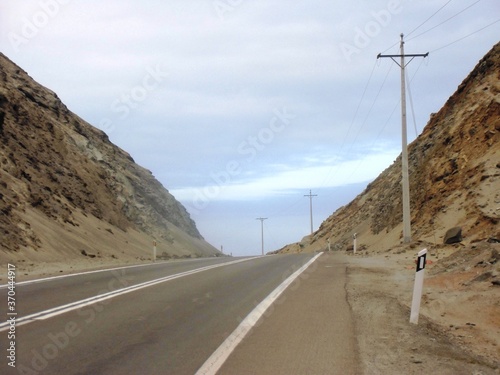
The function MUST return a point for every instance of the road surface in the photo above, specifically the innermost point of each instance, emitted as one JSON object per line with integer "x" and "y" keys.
{"x": 171, "y": 317}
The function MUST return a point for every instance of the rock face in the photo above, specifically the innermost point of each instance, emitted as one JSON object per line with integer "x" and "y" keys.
{"x": 453, "y": 235}
{"x": 56, "y": 164}
{"x": 454, "y": 176}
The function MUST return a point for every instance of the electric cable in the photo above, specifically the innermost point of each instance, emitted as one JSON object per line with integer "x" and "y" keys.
{"x": 327, "y": 177}
{"x": 428, "y": 19}
{"x": 390, "y": 117}
{"x": 466, "y": 36}
{"x": 408, "y": 82}
{"x": 448, "y": 19}
{"x": 356, "y": 113}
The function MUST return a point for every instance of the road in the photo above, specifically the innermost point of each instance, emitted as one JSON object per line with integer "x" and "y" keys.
{"x": 170, "y": 318}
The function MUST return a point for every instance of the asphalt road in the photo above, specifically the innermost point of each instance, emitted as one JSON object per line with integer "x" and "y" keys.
{"x": 166, "y": 318}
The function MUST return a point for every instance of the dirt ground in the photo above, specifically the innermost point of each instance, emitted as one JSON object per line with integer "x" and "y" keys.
{"x": 459, "y": 325}
{"x": 92, "y": 245}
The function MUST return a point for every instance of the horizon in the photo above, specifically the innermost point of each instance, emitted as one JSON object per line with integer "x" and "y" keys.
{"x": 241, "y": 109}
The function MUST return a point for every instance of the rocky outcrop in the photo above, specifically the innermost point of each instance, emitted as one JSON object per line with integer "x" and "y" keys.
{"x": 454, "y": 176}
{"x": 453, "y": 235}
{"x": 54, "y": 162}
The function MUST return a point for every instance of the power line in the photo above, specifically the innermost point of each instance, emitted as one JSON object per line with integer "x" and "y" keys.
{"x": 424, "y": 22}
{"x": 360, "y": 101}
{"x": 408, "y": 80}
{"x": 366, "y": 119}
{"x": 287, "y": 208}
{"x": 375, "y": 140}
{"x": 353, "y": 118}
{"x": 428, "y": 19}
{"x": 371, "y": 107}
{"x": 448, "y": 19}
{"x": 468, "y": 35}
{"x": 356, "y": 115}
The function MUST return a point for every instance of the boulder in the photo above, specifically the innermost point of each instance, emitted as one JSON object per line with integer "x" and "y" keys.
{"x": 453, "y": 235}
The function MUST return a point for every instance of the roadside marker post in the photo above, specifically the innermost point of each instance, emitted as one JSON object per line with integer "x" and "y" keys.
{"x": 418, "y": 286}
{"x": 354, "y": 245}
{"x": 154, "y": 251}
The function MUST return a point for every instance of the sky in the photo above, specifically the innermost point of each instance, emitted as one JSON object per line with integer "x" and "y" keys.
{"x": 242, "y": 109}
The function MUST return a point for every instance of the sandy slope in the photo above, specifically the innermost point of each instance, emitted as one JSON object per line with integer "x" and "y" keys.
{"x": 459, "y": 325}
{"x": 65, "y": 187}
{"x": 104, "y": 245}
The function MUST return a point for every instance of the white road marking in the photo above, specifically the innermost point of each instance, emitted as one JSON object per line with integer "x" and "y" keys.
{"x": 42, "y": 315}
{"x": 217, "y": 359}
{"x": 95, "y": 271}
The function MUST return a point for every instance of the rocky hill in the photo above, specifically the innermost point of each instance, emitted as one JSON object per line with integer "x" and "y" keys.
{"x": 66, "y": 190}
{"x": 454, "y": 168}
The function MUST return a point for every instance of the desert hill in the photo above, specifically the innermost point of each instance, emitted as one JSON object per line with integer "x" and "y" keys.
{"x": 67, "y": 191}
{"x": 454, "y": 168}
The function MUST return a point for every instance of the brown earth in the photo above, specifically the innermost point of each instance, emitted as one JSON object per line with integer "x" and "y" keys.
{"x": 66, "y": 190}
{"x": 71, "y": 200}
{"x": 459, "y": 325}
{"x": 454, "y": 170}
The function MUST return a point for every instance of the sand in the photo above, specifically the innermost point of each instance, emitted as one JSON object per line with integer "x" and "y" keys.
{"x": 459, "y": 324}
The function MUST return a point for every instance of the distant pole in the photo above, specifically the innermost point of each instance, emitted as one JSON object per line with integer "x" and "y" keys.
{"x": 310, "y": 195}
{"x": 404, "y": 141}
{"x": 262, "y": 231}
{"x": 154, "y": 251}
{"x": 354, "y": 245}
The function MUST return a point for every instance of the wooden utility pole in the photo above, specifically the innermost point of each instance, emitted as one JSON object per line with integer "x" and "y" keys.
{"x": 404, "y": 154}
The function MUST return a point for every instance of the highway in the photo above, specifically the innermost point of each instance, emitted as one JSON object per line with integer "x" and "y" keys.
{"x": 171, "y": 317}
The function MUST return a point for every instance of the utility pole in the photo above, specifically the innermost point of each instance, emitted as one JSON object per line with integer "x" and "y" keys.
{"x": 404, "y": 153}
{"x": 310, "y": 195}
{"x": 262, "y": 231}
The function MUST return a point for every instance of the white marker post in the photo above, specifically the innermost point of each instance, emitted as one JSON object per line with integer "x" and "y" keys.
{"x": 354, "y": 242}
{"x": 417, "y": 288}
{"x": 154, "y": 251}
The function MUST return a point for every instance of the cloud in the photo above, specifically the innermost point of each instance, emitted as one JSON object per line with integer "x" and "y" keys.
{"x": 227, "y": 75}
{"x": 235, "y": 184}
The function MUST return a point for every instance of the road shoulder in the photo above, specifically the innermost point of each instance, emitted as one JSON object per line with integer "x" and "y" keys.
{"x": 379, "y": 292}
{"x": 309, "y": 330}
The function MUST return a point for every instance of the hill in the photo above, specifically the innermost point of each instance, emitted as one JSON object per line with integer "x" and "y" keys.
{"x": 454, "y": 168}
{"x": 67, "y": 192}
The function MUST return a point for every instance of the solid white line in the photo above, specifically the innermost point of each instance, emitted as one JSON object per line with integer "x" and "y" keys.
{"x": 96, "y": 271}
{"x": 73, "y": 274}
{"x": 42, "y": 315}
{"x": 217, "y": 359}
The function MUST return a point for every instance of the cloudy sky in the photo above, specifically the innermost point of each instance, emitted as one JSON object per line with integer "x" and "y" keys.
{"x": 240, "y": 108}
